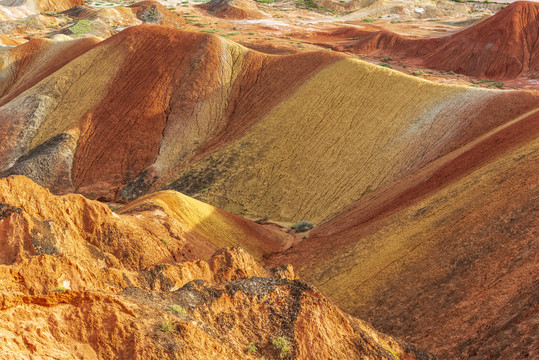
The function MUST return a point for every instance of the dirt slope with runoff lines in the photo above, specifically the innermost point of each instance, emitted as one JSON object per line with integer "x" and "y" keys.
{"x": 446, "y": 258}
{"x": 503, "y": 46}
{"x": 290, "y": 137}
{"x": 79, "y": 281}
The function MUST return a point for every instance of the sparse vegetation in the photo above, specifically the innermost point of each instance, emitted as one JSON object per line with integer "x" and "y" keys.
{"x": 167, "y": 326}
{"x": 225, "y": 36}
{"x": 385, "y": 65}
{"x": 251, "y": 349}
{"x": 496, "y": 85}
{"x": 302, "y": 226}
{"x": 418, "y": 72}
{"x": 266, "y": 1}
{"x": 177, "y": 309}
{"x": 482, "y": 81}
{"x": 387, "y": 58}
{"x": 261, "y": 220}
{"x": 82, "y": 27}
{"x": 282, "y": 345}
{"x": 368, "y": 20}
{"x": 59, "y": 289}
{"x": 151, "y": 15}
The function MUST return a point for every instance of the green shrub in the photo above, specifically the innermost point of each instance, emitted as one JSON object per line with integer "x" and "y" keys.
{"x": 151, "y": 16}
{"x": 302, "y": 226}
{"x": 167, "y": 326}
{"x": 418, "y": 72}
{"x": 369, "y": 20}
{"x": 282, "y": 345}
{"x": 251, "y": 349}
{"x": 177, "y": 309}
{"x": 60, "y": 289}
{"x": 387, "y": 58}
{"x": 496, "y": 85}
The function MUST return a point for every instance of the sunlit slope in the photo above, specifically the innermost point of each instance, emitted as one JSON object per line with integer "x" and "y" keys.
{"x": 455, "y": 272}
{"x": 349, "y": 130}
{"x": 206, "y": 228}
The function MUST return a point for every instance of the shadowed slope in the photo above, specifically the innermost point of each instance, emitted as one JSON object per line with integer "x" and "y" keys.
{"x": 448, "y": 255}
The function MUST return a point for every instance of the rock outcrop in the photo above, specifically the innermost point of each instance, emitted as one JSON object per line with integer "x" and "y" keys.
{"x": 79, "y": 281}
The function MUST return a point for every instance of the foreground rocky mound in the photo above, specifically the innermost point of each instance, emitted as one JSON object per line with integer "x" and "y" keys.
{"x": 504, "y": 46}
{"x": 298, "y": 137}
{"x": 79, "y": 281}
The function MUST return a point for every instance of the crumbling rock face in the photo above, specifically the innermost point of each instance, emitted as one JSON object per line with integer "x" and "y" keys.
{"x": 80, "y": 281}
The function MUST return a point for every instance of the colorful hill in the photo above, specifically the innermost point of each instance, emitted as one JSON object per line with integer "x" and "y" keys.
{"x": 297, "y": 137}
{"x": 70, "y": 263}
{"x": 445, "y": 258}
{"x": 503, "y": 46}
{"x": 423, "y": 195}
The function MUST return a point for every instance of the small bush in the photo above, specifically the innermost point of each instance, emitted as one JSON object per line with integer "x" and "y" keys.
{"x": 496, "y": 85}
{"x": 282, "y": 345}
{"x": 387, "y": 58}
{"x": 251, "y": 349}
{"x": 369, "y": 20}
{"x": 418, "y": 72}
{"x": 177, "y": 309}
{"x": 385, "y": 65}
{"x": 302, "y": 226}
{"x": 166, "y": 327}
{"x": 151, "y": 16}
{"x": 482, "y": 81}
{"x": 60, "y": 289}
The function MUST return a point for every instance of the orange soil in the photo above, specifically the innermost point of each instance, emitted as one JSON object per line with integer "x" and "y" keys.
{"x": 504, "y": 46}
{"x": 79, "y": 281}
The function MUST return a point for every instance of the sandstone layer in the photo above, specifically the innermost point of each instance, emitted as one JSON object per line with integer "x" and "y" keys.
{"x": 80, "y": 281}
